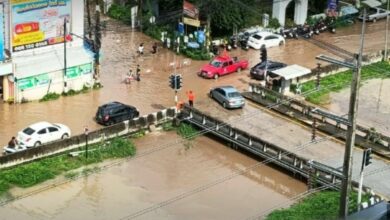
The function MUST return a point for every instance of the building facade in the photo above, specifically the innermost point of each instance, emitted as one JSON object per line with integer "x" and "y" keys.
{"x": 33, "y": 54}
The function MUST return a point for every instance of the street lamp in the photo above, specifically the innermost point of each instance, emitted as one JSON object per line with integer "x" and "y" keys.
{"x": 386, "y": 30}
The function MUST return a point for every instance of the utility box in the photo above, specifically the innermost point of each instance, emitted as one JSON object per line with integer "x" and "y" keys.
{"x": 265, "y": 20}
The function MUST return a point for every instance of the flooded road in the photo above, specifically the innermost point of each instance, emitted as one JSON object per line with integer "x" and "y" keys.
{"x": 135, "y": 185}
{"x": 153, "y": 92}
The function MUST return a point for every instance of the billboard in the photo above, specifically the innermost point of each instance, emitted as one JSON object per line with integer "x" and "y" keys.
{"x": 38, "y": 23}
{"x": 1, "y": 32}
{"x": 33, "y": 81}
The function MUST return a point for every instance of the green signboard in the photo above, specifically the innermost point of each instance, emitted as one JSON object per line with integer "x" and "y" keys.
{"x": 76, "y": 71}
{"x": 33, "y": 81}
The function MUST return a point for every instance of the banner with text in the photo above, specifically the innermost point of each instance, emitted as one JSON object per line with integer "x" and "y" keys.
{"x": 38, "y": 23}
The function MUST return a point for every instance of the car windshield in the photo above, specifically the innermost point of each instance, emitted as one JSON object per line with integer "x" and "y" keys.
{"x": 234, "y": 95}
{"x": 215, "y": 63}
{"x": 258, "y": 37}
{"x": 28, "y": 131}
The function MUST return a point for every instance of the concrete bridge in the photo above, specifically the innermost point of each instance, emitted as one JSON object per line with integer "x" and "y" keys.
{"x": 300, "y": 12}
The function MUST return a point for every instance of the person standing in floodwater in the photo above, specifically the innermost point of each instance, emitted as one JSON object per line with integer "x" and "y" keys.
{"x": 154, "y": 48}
{"x": 138, "y": 73}
{"x": 191, "y": 98}
{"x": 141, "y": 49}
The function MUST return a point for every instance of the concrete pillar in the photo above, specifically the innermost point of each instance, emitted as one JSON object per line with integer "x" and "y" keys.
{"x": 300, "y": 12}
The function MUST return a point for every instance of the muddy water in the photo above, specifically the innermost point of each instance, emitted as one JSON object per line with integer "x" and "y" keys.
{"x": 153, "y": 92}
{"x": 138, "y": 184}
{"x": 374, "y": 105}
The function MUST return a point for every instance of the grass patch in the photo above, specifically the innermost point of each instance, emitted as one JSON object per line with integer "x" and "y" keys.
{"x": 322, "y": 205}
{"x": 339, "y": 81}
{"x": 30, "y": 174}
{"x": 50, "y": 96}
{"x": 168, "y": 126}
{"x": 187, "y": 131}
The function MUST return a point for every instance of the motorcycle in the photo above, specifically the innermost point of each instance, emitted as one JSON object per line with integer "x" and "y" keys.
{"x": 11, "y": 150}
{"x": 214, "y": 49}
{"x": 321, "y": 26}
{"x": 305, "y": 31}
{"x": 233, "y": 42}
{"x": 288, "y": 33}
{"x": 331, "y": 24}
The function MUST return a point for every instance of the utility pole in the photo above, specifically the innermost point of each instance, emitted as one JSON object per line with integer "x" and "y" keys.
{"x": 89, "y": 19}
{"x": 386, "y": 31}
{"x": 351, "y": 132}
{"x": 65, "y": 64}
{"x": 351, "y": 124}
{"x": 140, "y": 15}
{"x": 97, "y": 44}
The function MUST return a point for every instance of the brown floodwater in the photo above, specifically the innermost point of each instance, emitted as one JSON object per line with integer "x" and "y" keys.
{"x": 138, "y": 184}
{"x": 153, "y": 93}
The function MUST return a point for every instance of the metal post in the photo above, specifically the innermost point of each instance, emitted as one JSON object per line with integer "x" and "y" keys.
{"x": 350, "y": 142}
{"x": 89, "y": 19}
{"x": 97, "y": 41}
{"x": 361, "y": 181}
{"x": 86, "y": 132}
{"x": 318, "y": 76}
{"x": 65, "y": 64}
{"x": 386, "y": 30}
{"x": 176, "y": 99}
{"x": 314, "y": 131}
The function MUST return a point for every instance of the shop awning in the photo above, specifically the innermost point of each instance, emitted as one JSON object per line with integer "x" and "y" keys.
{"x": 372, "y": 3}
{"x": 31, "y": 65}
{"x": 292, "y": 72}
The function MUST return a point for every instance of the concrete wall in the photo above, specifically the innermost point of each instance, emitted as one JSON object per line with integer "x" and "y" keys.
{"x": 103, "y": 134}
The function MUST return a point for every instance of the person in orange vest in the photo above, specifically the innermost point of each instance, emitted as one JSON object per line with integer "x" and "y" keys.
{"x": 191, "y": 98}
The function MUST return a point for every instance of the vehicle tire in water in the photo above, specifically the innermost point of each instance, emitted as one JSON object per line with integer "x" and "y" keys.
{"x": 239, "y": 70}
{"x": 374, "y": 20}
{"x": 37, "y": 144}
{"x": 65, "y": 136}
{"x": 224, "y": 104}
{"x": 211, "y": 95}
{"x": 281, "y": 43}
{"x": 216, "y": 76}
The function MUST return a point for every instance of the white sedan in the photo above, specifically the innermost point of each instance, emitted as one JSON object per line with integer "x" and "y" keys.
{"x": 41, "y": 133}
{"x": 267, "y": 39}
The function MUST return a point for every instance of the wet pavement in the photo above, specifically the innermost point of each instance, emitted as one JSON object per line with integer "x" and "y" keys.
{"x": 138, "y": 184}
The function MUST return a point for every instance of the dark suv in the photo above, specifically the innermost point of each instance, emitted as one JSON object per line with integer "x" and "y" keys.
{"x": 257, "y": 72}
{"x": 115, "y": 112}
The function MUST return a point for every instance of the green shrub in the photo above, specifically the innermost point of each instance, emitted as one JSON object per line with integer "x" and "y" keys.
{"x": 50, "y": 96}
{"x": 187, "y": 131}
{"x": 274, "y": 23}
{"x": 119, "y": 12}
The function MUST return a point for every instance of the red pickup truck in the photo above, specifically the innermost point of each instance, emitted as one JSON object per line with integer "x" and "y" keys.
{"x": 222, "y": 65}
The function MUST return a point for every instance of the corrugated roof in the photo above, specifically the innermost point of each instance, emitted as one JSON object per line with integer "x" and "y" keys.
{"x": 292, "y": 71}
{"x": 372, "y": 3}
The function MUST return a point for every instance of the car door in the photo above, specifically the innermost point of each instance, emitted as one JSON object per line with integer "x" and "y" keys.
{"x": 54, "y": 134}
{"x": 43, "y": 136}
{"x": 217, "y": 94}
{"x": 225, "y": 69}
{"x": 231, "y": 66}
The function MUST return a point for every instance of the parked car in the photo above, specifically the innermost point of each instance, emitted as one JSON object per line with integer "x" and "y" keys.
{"x": 267, "y": 39}
{"x": 222, "y": 65}
{"x": 227, "y": 96}
{"x": 375, "y": 14}
{"x": 42, "y": 133}
{"x": 257, "y": 72}
{"x": 115, "y": 112}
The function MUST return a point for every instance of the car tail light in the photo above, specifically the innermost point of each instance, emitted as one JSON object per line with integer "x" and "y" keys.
{"x": 106, "y": 117}
{"x": 28, "y": 139}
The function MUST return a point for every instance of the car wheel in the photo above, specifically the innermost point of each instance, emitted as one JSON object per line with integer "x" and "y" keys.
{"x": 374, "y": 20}
{"x": 65, "y": 136}
{"x": 37, "y": 144}
{"x": 224, "y": 104}
{"x": 239, "y": 70}
{"x": 281, "y": 43}
{"x": 216, "y": 76}
{"x": 211, "y": 95}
